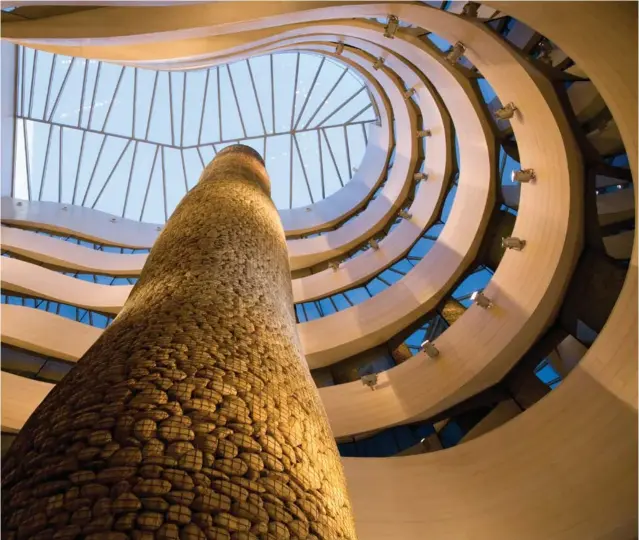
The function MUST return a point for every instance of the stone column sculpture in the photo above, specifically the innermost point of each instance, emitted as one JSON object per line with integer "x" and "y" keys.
{"x": 194, "y": 415}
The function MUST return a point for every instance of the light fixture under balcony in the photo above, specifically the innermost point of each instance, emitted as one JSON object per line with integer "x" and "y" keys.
{"x": 405, "y": 214}
{"x": 481, "y": 300}
{"x": 523, "y": 175}
{"x": 409, "y": 93}
{"x": 374, "y": 244}
{"x": 471, "y": 9}
{"x": 429, "y": 348}
{"x": 339, "y": 48}
{"x": 391, "y": 27}
{"x": 418, "y": 177}
{"x": 510, "y": 242}
{"x": 378, "y": 63}
{"x": 369, "y": 380}
{"x": 424, "y": 133}
{"x": 506, "y": 112}
{"x": 456, "y": 52}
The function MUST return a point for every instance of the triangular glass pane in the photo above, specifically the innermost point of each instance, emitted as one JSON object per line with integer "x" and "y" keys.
{"x": 331, "y": 72}
{"x": 160, "y": 126}
{"x": 194, "y": 103}
{"x": 108, "y": 80}
{"x": 193, "y": 166}
{"x": 26, "y": 72}
{"x": 301, "y": 196}
{"x": 71, "y": 140}
{"x": 309, "y": 63}
{"x": 278, "y": 167}
{"x": 112, "y": 197}
{"x": 113, "y": 148}
{"x": 210, "y": 130}
{"x": 336, "y": 138}
{"x": 174, "y": 178}
{"x": 356, "y": 146}
{"x": 177, "y": 102}
{"x": 37, "y": 141}
{"x": 20, "y": 175}
{"x": 231, "y": 123}
{"x": 67, "y": 110}
{"x": 88, "y": 159}
{"x": 349, "y": 108}
{"x": 246, "y": 97}
{"x": 89, "y": 91}
{"x": 283, "y": 67}
{"x": 120, "y": 120}
{"x": 52, "y": 170}
{"x": 61, "y": 64}
{"x": 154, "y": 208}
{"x": 261, "y": 69}
{"x": 142, "y": 163}
{"x": 331, "y": 178}
{"x": 309, "y": 149}
{"x": 43, "y": 67}
{"x": 146, "y": 82}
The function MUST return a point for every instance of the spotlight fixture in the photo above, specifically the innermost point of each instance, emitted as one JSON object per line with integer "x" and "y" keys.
{"x": 373, "y": 244}
{"x": 481, "y": 300}
{"x": 404, "y": 214}
{"x": 506, "y": 112}
{"x": 378, "y": 63}
{"x": 429, "y": 348}
{"x": 369, "y": 380}
{"x": 510, "y": 242}
{"x": 470, "y": 9}
{"x": 523, "y": 175}
{"x": 112, "y": 220}
{"x": 409, "y": 93}
{"x": 418, "y": 177}
{"x": 456, "y": 52}
{"x": 391, "y": 27}
{"x": 307, "y": 209}
{"x": 424, "y": 133}
{"x": 339, "y": 48}
{"x": 19, "y": 203}
{"x": 158, "y": 228}
{"x": 65, "y": 208}
{"x": 545, "y": 51}
{"x": 334, "y": 265}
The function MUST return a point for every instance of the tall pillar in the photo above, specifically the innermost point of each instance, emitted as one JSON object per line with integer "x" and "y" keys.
{"x": 194, "y": 415}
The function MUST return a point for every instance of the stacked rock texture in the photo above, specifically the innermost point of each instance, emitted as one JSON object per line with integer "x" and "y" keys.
{"x": 194, "y": 415}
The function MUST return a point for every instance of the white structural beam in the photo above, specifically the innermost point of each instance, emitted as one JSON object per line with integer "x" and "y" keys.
{"x": 8, "y": 106}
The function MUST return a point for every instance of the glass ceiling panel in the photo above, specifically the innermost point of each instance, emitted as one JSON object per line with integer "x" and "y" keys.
{"x": 132, "y": 141}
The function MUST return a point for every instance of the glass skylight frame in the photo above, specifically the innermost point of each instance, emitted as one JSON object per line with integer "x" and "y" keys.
{"x": 106, "y": 146}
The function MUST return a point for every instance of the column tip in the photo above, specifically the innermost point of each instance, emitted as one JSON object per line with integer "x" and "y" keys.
{"x": 241, "y": 149}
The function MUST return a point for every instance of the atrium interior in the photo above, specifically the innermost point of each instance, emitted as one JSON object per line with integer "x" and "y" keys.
{"x": 452, "y": 185}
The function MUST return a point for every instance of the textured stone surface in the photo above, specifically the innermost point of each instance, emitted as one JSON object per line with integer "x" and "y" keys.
{"x": 194, "y": 415}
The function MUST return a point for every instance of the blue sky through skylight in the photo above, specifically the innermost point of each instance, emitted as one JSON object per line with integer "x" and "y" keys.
{"x": 132, "y": 141}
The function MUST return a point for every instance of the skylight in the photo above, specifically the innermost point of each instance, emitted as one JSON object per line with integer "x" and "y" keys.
{"x": 132, "y": 141}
